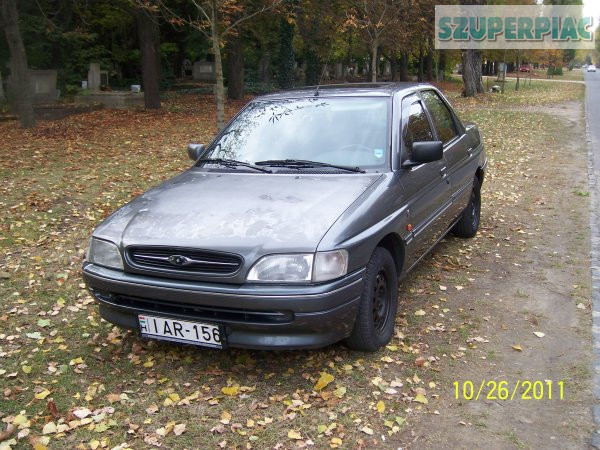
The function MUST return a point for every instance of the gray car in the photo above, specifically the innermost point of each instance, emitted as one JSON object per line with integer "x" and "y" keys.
{"x": 294, "y": 226}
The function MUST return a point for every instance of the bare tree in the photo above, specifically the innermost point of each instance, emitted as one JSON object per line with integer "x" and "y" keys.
{"x": 216, "y": 19}
{"x": 376, "y": 18}
{"x": 20, "y": 85}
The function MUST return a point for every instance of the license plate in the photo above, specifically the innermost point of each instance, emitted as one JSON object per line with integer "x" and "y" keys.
{"x": 197, "y": 333}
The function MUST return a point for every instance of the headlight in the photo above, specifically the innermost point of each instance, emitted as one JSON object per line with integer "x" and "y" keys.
{"x": 330, "y": 265}
{"x": 282, "y": 268}
{"x": 299, "y": 267}
{"x": 104, "y": 253}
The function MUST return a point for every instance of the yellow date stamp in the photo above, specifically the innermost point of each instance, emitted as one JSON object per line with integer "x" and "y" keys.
{"x": 505, "y": 390}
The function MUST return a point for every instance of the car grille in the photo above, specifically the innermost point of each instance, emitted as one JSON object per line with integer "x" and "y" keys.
{"x": 184, "y": 261}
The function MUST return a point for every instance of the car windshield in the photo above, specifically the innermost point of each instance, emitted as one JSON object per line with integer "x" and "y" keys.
{"x": 350, "y": 132}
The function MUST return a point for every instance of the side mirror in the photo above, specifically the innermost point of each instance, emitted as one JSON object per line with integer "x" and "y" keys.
{"x": 195, "y": 150}
{"x": 424, "y": 152}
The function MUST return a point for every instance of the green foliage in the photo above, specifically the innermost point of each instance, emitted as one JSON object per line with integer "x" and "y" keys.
{"x": 552, "y": 70}
{"x": 285, "y": 56}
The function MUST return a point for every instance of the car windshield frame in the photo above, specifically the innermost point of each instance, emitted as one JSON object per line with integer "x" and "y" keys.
{"x": 209, "y": 152}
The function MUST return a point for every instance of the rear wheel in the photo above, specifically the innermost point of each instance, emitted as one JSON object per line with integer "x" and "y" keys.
{"x": 374, "y": 324}
{"x": 468, "y": 224}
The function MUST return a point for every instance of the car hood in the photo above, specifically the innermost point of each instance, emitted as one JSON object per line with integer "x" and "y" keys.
{"x": 240, "y": 212}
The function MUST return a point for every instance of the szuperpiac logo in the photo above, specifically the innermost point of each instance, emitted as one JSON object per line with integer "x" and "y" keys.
{"x": 513, "y": 27}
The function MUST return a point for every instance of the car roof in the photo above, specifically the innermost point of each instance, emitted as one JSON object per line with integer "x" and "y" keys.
{"x": 347, "y": 90}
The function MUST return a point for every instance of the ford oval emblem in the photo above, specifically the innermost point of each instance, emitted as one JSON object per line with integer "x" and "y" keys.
{"x": 179, "y": 260}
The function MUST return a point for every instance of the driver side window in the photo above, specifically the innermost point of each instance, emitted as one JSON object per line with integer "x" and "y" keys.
{"x": 418, "y": 128}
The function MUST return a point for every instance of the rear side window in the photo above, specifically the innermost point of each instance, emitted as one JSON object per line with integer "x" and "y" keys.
{"x": 417, "y": 128}
{"x": 441, "y": 116}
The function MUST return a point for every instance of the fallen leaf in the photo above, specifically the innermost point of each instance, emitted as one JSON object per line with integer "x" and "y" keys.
{"x": 323, "y": 381}
{"x": 225, "y": 418}
{"x": 367, "y": 430}
{"x": 179, "y": 429}
{"x": 293, "y": 434}
{"x": 81, "y": 413}
{"x": 339, "y": 392}
{"x": 420, "y": 398}
{"x": 49, "y": 428}
{"x": 539, "y": 334}
{"x": 52, "y": 409}
{"x": 420, "y": 312}
{"x": 230, "y": 390}
{"x": 380, "y": 406}
{"x": 518, "y": 348}
{"x": 4, "y": 435}
{"x": 42, "y": 395}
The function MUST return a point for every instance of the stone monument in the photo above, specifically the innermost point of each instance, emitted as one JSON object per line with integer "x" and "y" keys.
{"x": 204, "y": 71}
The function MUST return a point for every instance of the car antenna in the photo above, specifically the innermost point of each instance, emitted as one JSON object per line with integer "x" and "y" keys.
{"x": 323, "y": 71}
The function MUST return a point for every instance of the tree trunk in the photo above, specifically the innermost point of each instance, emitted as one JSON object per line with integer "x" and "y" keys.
{"x": 420, "y": 70}
{"x": 148, "y": 33}
{"x": 2, "y": 98}
{"x": 518, "y": 70}
{"x": 429, "y": 65}
{"x": 374, "y": 47}
{"x": 471, "y": 72}
{"x": 219, "y": 87}
{"x": 235, "y": 78}
{"x": 20, "y": 86}
{"x": 404, "y": 66}
{"x": 442, "y": 66}
{"x": 394, "y": 67}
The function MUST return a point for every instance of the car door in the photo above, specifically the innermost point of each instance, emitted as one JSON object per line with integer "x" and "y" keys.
{"x": 427, "y": 186}
{"x": 457, "y": 146}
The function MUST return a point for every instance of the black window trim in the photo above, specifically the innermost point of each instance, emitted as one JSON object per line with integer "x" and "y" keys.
{"x": 457, "y": 124}
{"x": 412, "y": 97}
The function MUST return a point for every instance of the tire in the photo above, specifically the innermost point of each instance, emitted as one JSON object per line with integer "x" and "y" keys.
{"x": 468, "y": 223}
{"x": 376, "y": 316}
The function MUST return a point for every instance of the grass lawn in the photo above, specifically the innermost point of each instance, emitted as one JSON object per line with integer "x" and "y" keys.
{"x": 71, "y": 380}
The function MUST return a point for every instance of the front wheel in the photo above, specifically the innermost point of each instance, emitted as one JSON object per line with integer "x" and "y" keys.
{"x": 468, "y": 223}
{"x": 374, "y": 324}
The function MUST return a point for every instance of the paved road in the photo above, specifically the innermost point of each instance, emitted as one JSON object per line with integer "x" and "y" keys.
{"x": 550, "y": 80}
{"x": 592, "y": 108}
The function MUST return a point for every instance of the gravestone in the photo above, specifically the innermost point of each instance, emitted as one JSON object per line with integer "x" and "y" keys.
{"x": 387, "y": 69}
{"x": 204, "y": 71}
{"x": 43, "y": 85}
{"x": 93, "y": 81}
{"x": 339, "y": 71}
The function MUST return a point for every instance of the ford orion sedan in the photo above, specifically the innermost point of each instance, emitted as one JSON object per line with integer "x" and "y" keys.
{"x": 294, "y": 226}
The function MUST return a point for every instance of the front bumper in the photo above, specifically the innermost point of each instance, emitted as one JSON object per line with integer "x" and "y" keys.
{"x": 253, "y": 316}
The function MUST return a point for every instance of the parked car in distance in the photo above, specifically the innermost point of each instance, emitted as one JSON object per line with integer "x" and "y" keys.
{"x": 591, "y": 68}
{"x": 293, "y": 227}
{"x": 525, "y": 68}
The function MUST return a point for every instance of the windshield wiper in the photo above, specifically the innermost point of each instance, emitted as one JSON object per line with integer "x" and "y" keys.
{"x": 304, "y": 164}
{"x": 233, "y": 163}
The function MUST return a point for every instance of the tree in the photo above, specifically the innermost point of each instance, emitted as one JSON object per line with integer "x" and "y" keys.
{"x": 216, "y": 19}
{"x": 20, "y": 87}
{"x": 235, "y": 73}
{"x": 147, "y": 24}
{"x": 285, "y": 57}
{"x": 471, "y": 65}
{"x": 375, "y": 18}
